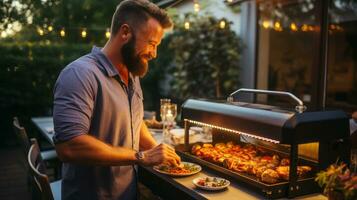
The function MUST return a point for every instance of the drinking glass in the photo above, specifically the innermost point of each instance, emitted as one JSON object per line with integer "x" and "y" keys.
{"x": 163, "y": 102}
{"x": 169, "y": 116}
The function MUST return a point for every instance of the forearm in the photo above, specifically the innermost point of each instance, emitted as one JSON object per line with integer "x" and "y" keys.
{"x": 146, "y": 139}
{"x": 85, "y": 149}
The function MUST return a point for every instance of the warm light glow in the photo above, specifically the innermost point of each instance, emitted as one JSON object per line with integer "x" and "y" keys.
{"x": 3, "y": 34}
{"x": 339, "y": 28}
{"x": 304, "y": 27}
{"x": 222, "y": 24}
{"x": 196, "y": 7}
{"x": 229, "y": 1}
{"x": 187, "y": 25}
{"x": 50, "y": 28}
{"x": 266, "y": 24}
{"x": 232, "y": 131}
{"x": 40, "y": 31}
{"x": 293, "y": 27}
{"x": 84, "y": 33}
{"x": 311, "y": 28}
{"x": 62, "y": 33}
{"x": 277, "y": 26}
{"x": 107, "y": 33}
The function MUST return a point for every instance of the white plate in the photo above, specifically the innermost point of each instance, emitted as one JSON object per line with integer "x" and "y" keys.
{"x": 199, "y": 168}
{"x": 155, "y": 130}
{"x": 196, "y": 180}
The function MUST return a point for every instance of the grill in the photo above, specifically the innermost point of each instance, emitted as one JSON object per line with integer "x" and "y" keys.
{"x": 279, "y": 131}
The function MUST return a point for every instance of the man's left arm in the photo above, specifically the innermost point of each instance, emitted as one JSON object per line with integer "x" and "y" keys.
{"x": 146, "y": 139}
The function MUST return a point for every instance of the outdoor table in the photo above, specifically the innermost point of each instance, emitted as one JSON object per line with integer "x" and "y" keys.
{"x": 176, "y": 187}
{"x": 45, "y": 125}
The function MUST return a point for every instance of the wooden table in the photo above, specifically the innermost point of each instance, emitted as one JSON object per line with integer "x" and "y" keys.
{"x": 45, "y": 125}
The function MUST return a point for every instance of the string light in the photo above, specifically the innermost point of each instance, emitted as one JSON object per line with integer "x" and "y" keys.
{"x": 40, "y": 31}
{"x": 222, "y": 24}
{"x": 3, "y": 34}
{"x": 277, "y": 26}
{"x": 62, "y": 32}
{"x": 84, "y": 33}
{"x": 187, "y": 25}
{"x": 293, "y": 27}
{"x": 304, "y": 28}
{"x": 107, "y": 33}
{"x": 50, "y": 28}
{"x": 266, "y": 24}
{"x": 196, "y": 6}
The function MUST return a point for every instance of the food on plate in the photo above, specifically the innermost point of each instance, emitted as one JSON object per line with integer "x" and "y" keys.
{"x": 184, "y": 168}
{"x": 153, "y": 123}
{"x": 212, "y": 182}
{"x": 268, "y": 168}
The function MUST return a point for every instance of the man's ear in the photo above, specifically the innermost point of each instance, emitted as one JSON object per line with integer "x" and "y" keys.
{"x": 125, "y": 32}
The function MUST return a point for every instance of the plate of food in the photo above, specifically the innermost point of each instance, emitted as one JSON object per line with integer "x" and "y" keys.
{"x": 211, "y": 183}
{"x": 185, "y": 169}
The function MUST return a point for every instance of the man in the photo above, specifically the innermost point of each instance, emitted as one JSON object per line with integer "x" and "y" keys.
{"x": 98, "y": 109}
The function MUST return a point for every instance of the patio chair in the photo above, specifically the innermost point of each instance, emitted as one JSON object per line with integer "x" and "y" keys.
{"x": 23, "y": 138}
{"x": 46, "y": 190}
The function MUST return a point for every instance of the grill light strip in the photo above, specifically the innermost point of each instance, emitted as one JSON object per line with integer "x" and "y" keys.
{"x": 232, "y": 131}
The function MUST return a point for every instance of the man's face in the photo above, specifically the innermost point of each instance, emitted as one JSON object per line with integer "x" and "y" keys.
{"x": 142, "y": 47}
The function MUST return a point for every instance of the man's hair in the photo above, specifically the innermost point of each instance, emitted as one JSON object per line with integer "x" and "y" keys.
{"x": 136, "y": 13}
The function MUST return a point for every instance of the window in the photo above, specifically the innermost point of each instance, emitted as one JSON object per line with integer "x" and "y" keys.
{"x": 342, "y": 55}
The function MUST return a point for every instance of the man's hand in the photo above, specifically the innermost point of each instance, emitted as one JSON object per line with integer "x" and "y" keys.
{"x": 161, "y": 154}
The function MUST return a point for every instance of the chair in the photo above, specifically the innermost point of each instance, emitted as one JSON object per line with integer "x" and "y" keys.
{"x": 47, "y": 190}
{"x": 25, "y": 143}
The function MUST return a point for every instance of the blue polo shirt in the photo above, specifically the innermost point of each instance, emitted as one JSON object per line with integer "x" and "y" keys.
{"x": 90, "y": 98}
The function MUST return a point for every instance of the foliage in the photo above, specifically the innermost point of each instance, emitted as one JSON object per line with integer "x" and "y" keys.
{"x": 338, "y": 179}
{"x": 28, "y": 72}
{"x": 206, "y": 57}
{"x": 73, "y": 16}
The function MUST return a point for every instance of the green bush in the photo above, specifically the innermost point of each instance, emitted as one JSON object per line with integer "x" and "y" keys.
{"x": 206, "y": 57}
{"x": 28, "y": 72}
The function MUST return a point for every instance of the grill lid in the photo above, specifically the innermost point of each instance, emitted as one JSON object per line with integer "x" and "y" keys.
{"x": 268, "y": 123}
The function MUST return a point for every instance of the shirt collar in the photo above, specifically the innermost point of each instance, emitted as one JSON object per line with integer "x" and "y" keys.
{"x": 107, "y": 65}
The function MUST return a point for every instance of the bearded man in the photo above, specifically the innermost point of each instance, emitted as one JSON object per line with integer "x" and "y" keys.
{"x": 98, "y": 109}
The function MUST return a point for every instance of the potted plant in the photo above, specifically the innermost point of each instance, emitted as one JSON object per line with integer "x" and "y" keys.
{"x": 338, "y": 182}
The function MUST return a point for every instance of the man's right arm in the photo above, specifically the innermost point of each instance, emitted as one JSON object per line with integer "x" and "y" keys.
{"x": 87, "y": 150}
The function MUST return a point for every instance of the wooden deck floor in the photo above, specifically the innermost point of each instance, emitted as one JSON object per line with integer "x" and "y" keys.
{"x": 13, "y": 182}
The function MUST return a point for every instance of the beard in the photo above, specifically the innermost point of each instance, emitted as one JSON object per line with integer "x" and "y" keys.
{"x": 135, "y": 64}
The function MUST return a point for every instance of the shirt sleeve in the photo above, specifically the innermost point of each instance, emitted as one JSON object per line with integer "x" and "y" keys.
{"x": 74, "y": 94}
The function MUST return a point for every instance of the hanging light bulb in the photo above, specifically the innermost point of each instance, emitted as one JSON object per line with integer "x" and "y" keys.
{"x": 50, "y": 28}
{"x": 84, "y": 33}
{"x": 266, "y": 24}
{"x": 62, "y": 32}
{"x": 3, "y": 34}
{"x": 293, "y": 27}
{"x": 277, "y": 26}
{"x": 107, "y": 33}
{"x": 304, "y": 28}
{"x": 196, "y": 6}
{"x": 222, "y": 24}
{"x": 187, "y": 25}
{"x": 40, "y": 31}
